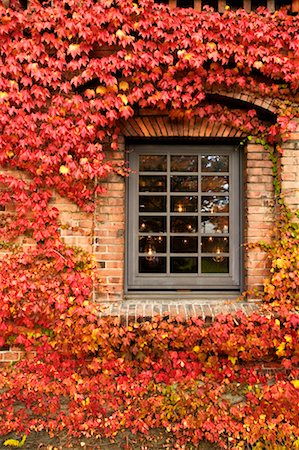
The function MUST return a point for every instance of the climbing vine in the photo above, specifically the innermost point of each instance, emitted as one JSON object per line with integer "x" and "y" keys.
{"x": 70, "y": 74}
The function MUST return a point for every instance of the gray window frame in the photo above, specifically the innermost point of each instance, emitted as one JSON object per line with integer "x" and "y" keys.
{"x": 195, "y": 281}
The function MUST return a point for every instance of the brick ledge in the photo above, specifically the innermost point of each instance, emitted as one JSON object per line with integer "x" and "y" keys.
{"x": 134, "y": 311}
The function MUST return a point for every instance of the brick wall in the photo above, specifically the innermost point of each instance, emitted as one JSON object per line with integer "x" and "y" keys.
{"x": 290, "y": 169}
{"x": 109, "y": 234}
{"x": 103, "y": 232}
{"x": 258, "y": 212}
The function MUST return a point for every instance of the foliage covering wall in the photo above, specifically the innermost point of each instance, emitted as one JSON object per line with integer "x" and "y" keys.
{"x": 60, "y": 105}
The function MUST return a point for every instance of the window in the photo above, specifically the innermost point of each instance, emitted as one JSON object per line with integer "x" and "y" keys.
{"x": 219, "y": 5}
{"x": 183, "y": 218}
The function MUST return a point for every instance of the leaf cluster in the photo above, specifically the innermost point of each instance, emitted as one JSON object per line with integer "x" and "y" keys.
{"x": 194, "y": 382}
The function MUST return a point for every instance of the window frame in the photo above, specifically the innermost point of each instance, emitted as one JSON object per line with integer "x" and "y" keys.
{"x": 134, "y": 281}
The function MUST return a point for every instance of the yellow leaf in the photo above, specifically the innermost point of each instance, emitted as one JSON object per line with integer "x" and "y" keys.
{"x": 9, "y": 153}
{"x": 123, "y": 98}
{"x": 120, "y": 34}
{"x": 211, "y": 45}
{"x": 101, "y": 90}
{"x": 64, "y": 170}
{"x": 123, "y": 85}
{"x": 188, "y": 56}
{"x": 277, "y": 322}
{"x": 280, "y": 349}
{"x": 15, "y": 442}
{"x": 258, "y": 65}
{"x": 73, "y": 47}
{"x": 196, "y": 348}
{"x": 232, "y": 359}
{"x": 86, "y": 401}
{"x": 288, "y": 338}
{"x": 295, "y": 383}
{"x": 3, "y": 94}
{"x": 279, "y": 262}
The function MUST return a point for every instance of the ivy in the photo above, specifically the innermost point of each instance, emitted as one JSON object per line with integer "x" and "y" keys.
{"x": 192, "y": 381}
{"x": 282, "y": 285}
{"x": 69, "y": 74}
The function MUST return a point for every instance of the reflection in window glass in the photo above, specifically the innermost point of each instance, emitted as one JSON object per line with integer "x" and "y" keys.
{"x": 212, "y": 265}
{"x": 152, "y": 203}
{"x": 184, "y": 204}
{"x": 152, "y": 163}
{"x": 183, "y": 244}
{"x": 183, "y": 265}
{"x": 184, "y": 184}
{"x": 214, "y": 184}
{"x": 153, "y": 264}
{"x": 214, "y": 163}
{"x": 183, "y": 224}
{"x": 152, "y": 244}
{"x": 152, "y": 184}
{"x": 214, "y": 204}
{"x": 184, "y": 163}
{"x": 152, "y": 224}
{"x": 216, "y": 245}
{"x": 217, "y": 224}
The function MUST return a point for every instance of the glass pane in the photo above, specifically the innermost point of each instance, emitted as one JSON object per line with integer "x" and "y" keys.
{"x": 152, "y": 244}
{"x": 152, "y": 163}
{"x": 214, "y": 265}
{"x": 152, "y": 184}
{"x": 183, "y": 224}
{"x": 154, "y": 264}
{"x": 183, "y": 265}
{"x": 149, "y": 224}
{"x": 183, "y": 244}
{"x": 185, "y": 3}
{"x": 152, "y": 203}
{"x": 184, "y": 184}
{"x": 214, "y": 184}
{"x": 214, "y": 204}
{"x": 214, "y": 163}
{"x": 184, "y": 204}
{"x": 214, "y": 224}
{"x": 213, "y": 244}
{"x": 184, "y": 163}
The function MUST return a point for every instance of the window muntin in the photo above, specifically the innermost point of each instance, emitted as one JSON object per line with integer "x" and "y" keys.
{"x": 183, "y": 215}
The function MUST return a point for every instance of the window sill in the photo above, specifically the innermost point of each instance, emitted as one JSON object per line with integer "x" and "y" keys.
{"x": 143, "y": 306}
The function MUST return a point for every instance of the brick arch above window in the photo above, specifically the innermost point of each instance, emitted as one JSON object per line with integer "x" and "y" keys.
{"x": 161, "y": 125}
{"x": 154, "y": 123}
{"x": 266, "y": 104}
